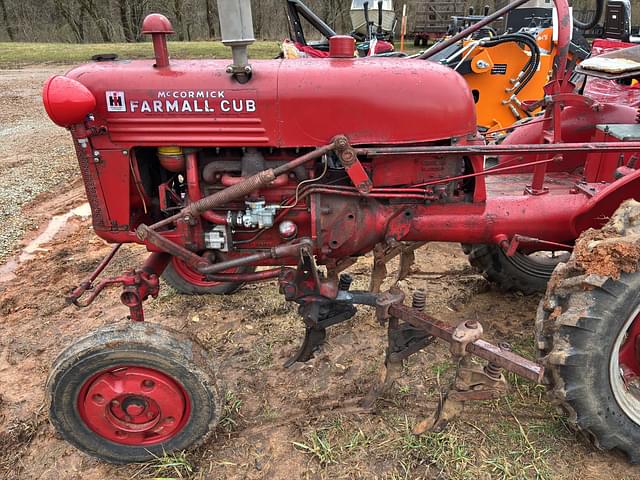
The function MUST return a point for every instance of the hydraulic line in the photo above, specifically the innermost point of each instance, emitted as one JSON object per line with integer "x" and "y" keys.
{"x": 594, "y": 21}
{"x": 532, "y": 64}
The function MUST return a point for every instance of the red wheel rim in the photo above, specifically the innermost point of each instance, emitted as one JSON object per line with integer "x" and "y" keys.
{"x": 194, "y": 277}
{"x": 629, "y": 353}
{"x": 134, "y": 405}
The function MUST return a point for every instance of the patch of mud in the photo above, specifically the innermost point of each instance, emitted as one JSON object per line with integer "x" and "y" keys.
{"x": 53, "y": 227}
{"x": 613, "y": 249}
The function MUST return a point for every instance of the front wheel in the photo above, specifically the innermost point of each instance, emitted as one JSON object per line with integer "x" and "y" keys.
{"x": 588, "y": 337}
{"x": 187, "y": 281}
{"x": 128, "y": 393}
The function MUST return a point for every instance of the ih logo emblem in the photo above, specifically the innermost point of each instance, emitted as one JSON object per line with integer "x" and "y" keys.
{"x": 115, "y": 102}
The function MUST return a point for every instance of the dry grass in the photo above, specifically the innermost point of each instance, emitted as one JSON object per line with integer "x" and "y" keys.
{"x": 15, "y": 55}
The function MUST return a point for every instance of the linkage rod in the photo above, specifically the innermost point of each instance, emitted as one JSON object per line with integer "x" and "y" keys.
{"x": 506, "y": 359}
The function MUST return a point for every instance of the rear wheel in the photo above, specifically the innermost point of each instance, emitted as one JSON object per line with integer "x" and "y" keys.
{"x": 128, "y": 393}
{"x": 184, "y": 279}
{"x": 588, "y": 337}
{"x": 527, "y": 273}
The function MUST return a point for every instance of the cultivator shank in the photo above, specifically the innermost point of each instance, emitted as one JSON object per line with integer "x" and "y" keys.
{"x": 409, "y": 330}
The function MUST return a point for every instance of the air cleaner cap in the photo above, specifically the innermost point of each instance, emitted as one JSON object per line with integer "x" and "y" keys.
{"x": 156, "y": 23}
{"x": 342, "y": 46}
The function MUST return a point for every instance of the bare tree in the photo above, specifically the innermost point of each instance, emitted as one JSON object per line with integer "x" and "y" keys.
{"x": 74, "y": 16}
{"x": 123, "y": 10}
{"x": 137, "y": 9}
{"x": 177, "y": 12}
{"x": 98, "y": 18}
{"x": 5, "y": 17}
{"x": 211, "y": 20}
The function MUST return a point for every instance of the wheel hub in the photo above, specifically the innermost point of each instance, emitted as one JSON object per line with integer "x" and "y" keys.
{"x": 133, "y": 405}
{"x": 628, "y": 356}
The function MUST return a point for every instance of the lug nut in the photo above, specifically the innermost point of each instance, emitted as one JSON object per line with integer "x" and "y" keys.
{"x": 148, "y": 384}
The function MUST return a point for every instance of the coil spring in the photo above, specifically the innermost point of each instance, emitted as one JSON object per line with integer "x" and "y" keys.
{"x": 493, "y": 370}
{"x": 419, "y": 299}
{"x": 344, "y": 283}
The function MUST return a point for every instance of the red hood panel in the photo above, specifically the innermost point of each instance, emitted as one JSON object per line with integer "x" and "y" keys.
{"x": 291, "y": 103}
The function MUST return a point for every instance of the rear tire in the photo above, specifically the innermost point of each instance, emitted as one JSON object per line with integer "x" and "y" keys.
{"x": 588, "y": 337}
{"x": 524, "y": 273}
{"x": 127, "y": 393}
{"x": 577, "y": 337}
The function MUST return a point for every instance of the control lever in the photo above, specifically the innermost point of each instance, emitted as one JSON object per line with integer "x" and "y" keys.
{"x": 365, "y": 7}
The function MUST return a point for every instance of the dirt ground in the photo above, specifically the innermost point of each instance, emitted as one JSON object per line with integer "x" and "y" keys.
{"x": 278, "y": 423}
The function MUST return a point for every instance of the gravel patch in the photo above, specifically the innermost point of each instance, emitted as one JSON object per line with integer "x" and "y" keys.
{"x": 36, "y": 156}
{"x": 20, "y": 184}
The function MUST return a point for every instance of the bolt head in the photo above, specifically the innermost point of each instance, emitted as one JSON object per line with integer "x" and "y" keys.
{"x": 287, "y": 229}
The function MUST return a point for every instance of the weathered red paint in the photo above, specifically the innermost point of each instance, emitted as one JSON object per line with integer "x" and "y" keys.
{"x": 418, "y": 176}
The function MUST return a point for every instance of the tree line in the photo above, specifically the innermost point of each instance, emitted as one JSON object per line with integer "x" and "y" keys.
{"x": 82, "y": 21}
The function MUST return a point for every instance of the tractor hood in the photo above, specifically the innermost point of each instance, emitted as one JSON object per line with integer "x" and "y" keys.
{"x": 286, "y": 103}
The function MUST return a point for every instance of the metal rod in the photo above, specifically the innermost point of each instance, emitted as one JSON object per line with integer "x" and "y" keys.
{"x": 88, "y": 281}
{"x": 145, "y": 233}
{"x": 193, "y": 188}
{"x": 243, "y": 188}
{"x": 281, "y": 251}
{"x": 245, "y": 277}
{"x": 506, "y": 359}
{"x": 598, "y": 147}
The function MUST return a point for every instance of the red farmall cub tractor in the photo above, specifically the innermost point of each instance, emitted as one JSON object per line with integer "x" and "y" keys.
{"x": 301, "y": 167}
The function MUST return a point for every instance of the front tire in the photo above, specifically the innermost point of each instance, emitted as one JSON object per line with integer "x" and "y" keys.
{"x": 185, "y": 280}
{"x": 128, "y": 393}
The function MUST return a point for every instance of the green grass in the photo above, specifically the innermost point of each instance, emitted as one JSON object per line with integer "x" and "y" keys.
{"x": 20, "y": 54}
{"x": 231, "y": 411}
{"x": 14, "y": 55}
{"x": 319, "y": 445}
{"x": 174, "y": 466}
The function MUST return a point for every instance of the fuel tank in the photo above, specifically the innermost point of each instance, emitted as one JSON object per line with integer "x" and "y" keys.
{"x": 301, "y": 103}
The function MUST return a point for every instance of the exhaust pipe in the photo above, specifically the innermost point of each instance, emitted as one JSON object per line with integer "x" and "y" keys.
{"x": 236, "y": 27}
